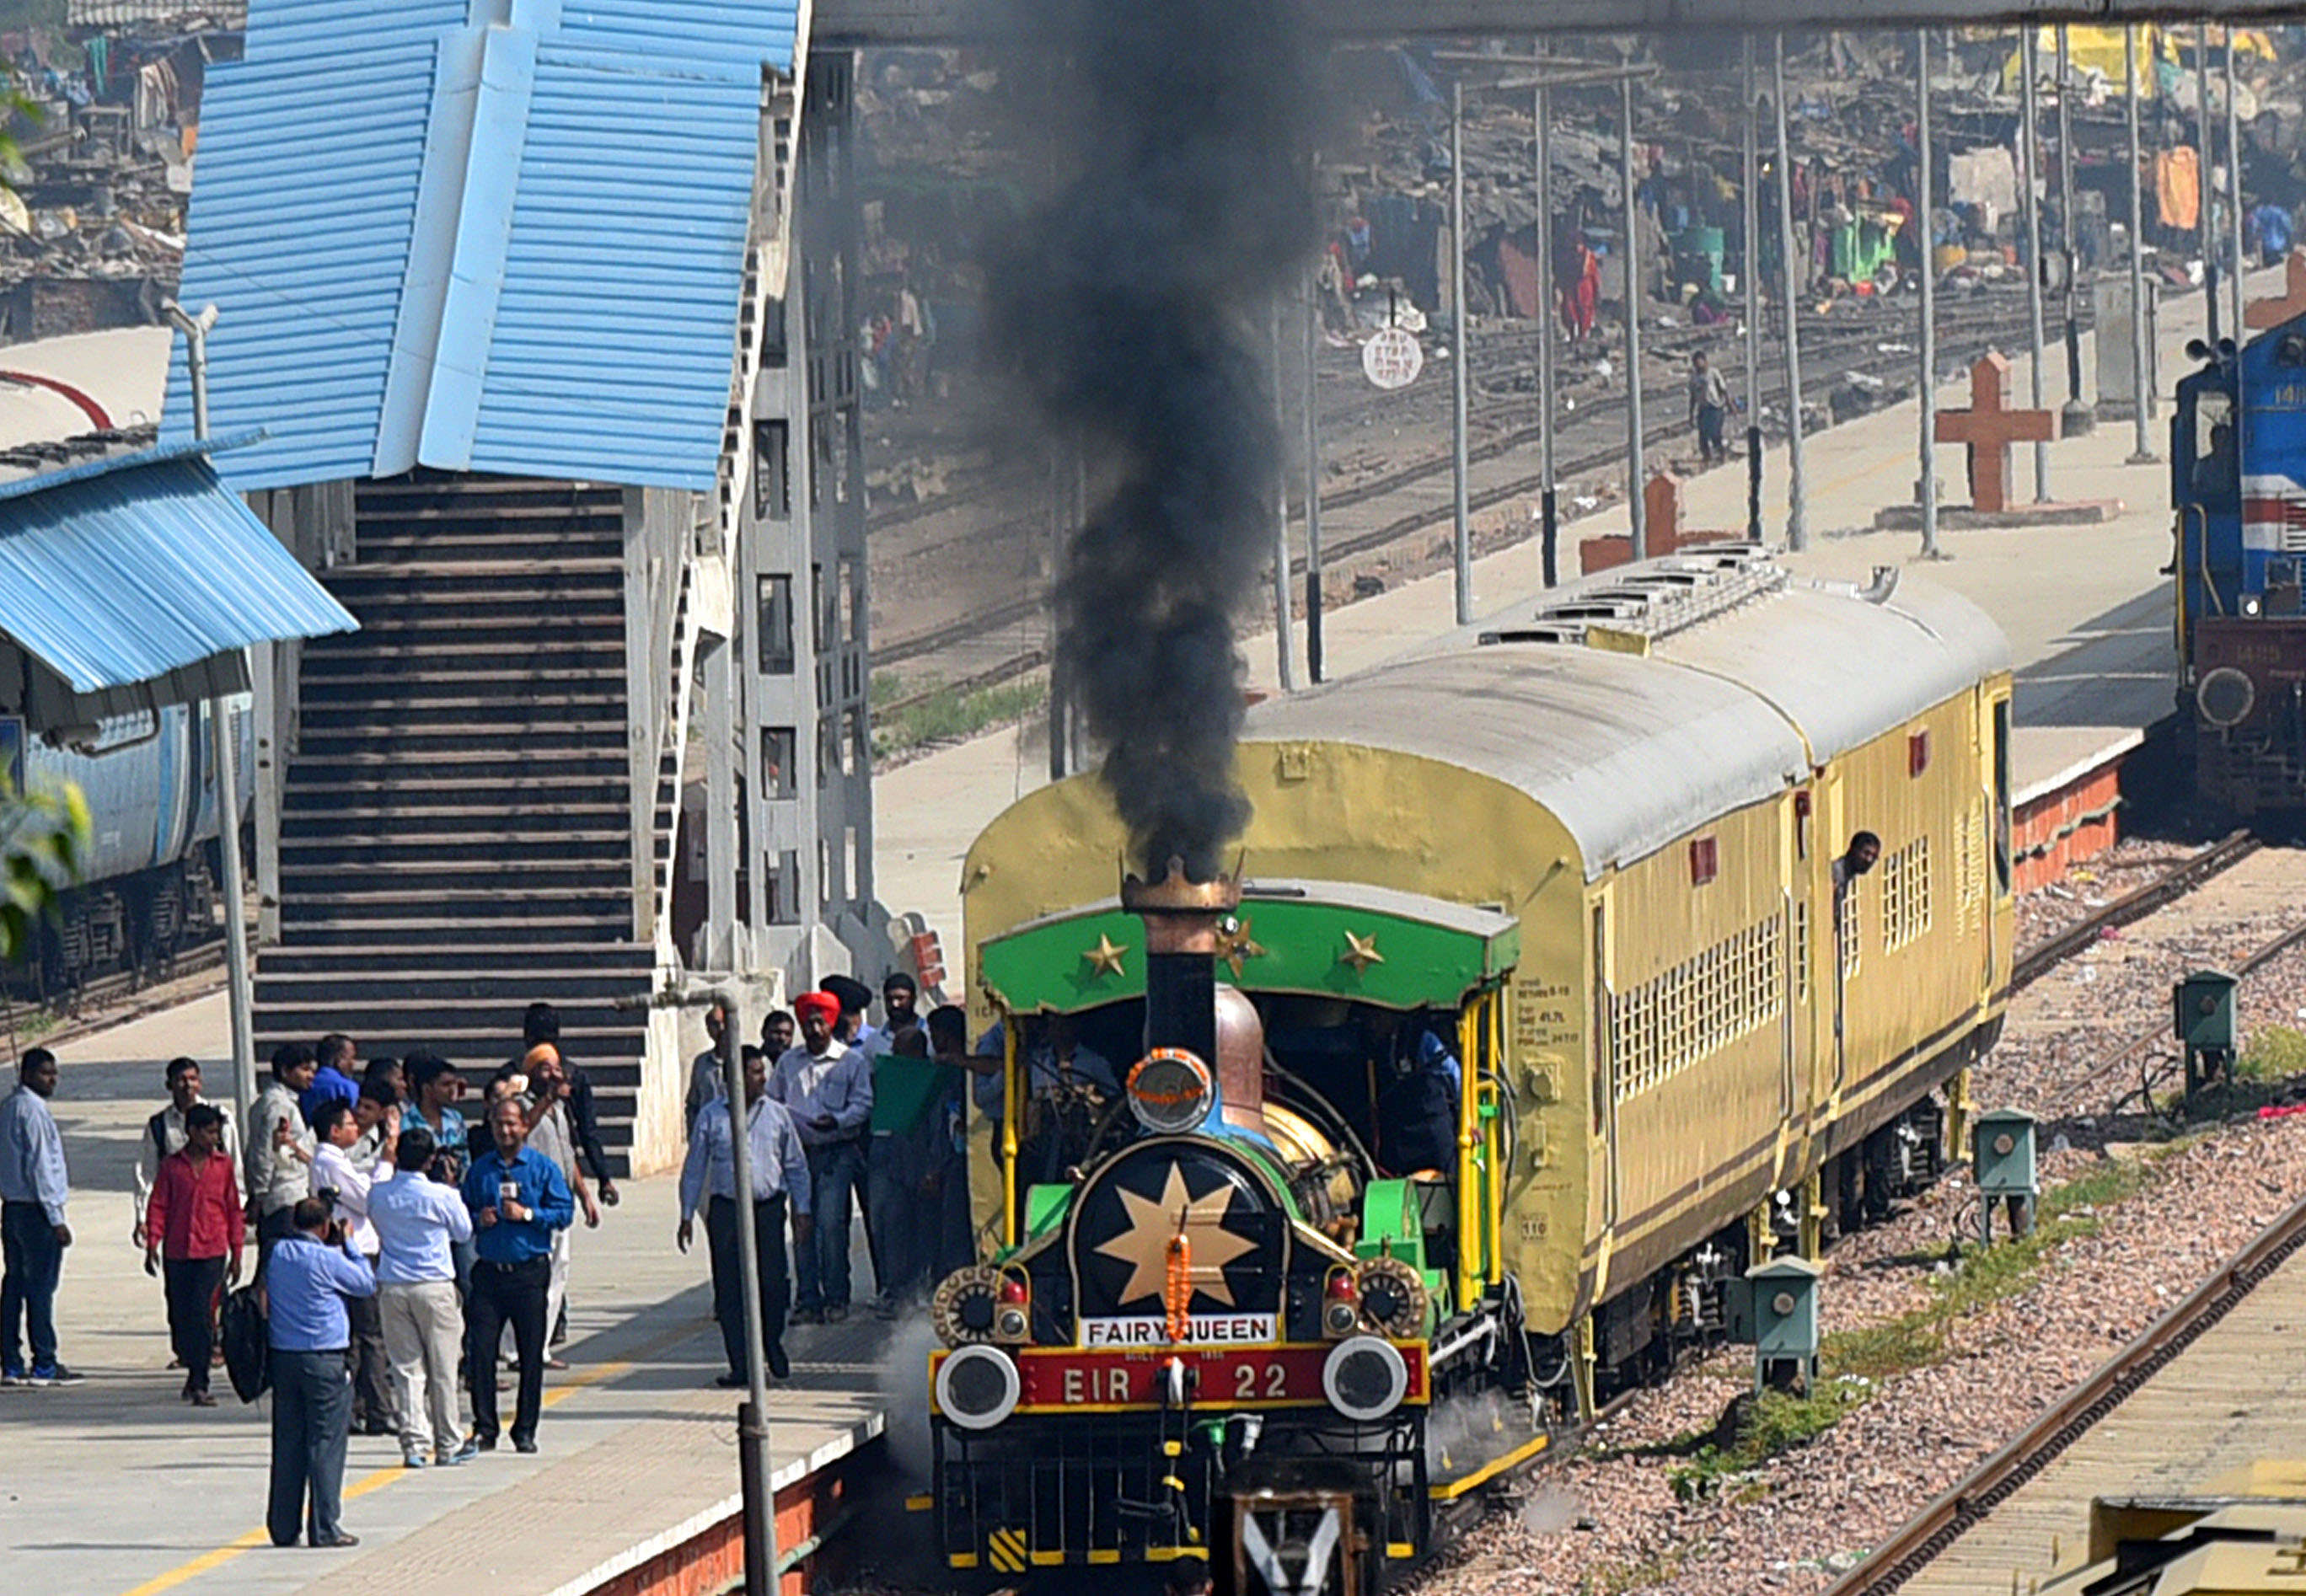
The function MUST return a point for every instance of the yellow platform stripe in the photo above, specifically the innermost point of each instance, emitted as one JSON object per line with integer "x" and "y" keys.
{"x": 1170, "y": 1554}
{"x": 1488, "y": 1471}
{"x": 1104, "y": 1553}
{"x": 1048, "y": 1559}
{"x": 962, "y": 1559}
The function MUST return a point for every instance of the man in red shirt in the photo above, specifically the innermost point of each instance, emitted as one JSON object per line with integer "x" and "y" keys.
{"x": 193, "y": 1223}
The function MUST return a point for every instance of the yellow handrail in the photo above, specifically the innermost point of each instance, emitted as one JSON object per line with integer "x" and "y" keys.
{"x": 1469, "y": 1038}
{"x": 1012, "y": 1101}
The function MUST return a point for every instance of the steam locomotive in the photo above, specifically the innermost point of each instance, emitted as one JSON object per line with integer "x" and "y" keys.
{"x": 148, "y": 892}
{"x": 1590, "y": 847}
{"x": 2238, "y": 486}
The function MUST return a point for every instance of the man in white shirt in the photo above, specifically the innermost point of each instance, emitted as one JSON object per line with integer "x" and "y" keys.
{"x": 164, "y": 1133}
{"x": 418, "y": 1222}
{"x": 336, "y": 1176}
{"x": 708, "y": 1180}
{"x": 827, "y": 1088}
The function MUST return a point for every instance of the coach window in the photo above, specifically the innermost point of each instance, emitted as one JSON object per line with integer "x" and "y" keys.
{"x": 2001, "y": 795}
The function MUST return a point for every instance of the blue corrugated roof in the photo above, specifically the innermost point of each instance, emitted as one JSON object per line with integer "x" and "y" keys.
{"x": 617, "y": 285}
{"x": 123, "y": 571}
{"x": 303, "y": 221}
{"x": 503, "y": 235}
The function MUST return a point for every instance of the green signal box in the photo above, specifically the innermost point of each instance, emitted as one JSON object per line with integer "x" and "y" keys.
{"x": 2202, "y": 1012}
{"x": 2002, "y": 1157}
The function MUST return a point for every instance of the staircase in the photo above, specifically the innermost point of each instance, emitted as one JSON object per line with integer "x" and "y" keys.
{"x": 456, "y": 824}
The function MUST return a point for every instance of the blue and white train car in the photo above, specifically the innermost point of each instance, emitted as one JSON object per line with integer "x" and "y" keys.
{"x": 149, "y": 888}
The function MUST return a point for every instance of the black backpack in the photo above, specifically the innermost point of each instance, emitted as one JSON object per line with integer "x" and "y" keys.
{"x": 247, "y": 1350}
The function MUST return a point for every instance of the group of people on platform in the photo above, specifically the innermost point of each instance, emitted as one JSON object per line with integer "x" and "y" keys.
{"x": 401, "y": 1249}
{"x": 842, "y": 1118}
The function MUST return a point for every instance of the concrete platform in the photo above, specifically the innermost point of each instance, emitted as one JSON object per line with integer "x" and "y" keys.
{"x": 2087, "y": 614}
{"x": 114, "y": 1487}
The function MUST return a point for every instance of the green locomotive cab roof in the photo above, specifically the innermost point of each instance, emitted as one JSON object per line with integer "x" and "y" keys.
{"x": 1365, "y": 944}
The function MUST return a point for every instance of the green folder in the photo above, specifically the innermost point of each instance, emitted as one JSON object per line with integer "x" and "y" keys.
{"x": 902, "y": 1091}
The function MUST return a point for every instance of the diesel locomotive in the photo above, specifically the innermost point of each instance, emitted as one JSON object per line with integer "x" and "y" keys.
{"x": 148, "y": 892}
{"x": 2238, "y": 487}
{"x": 1592, "y": 855}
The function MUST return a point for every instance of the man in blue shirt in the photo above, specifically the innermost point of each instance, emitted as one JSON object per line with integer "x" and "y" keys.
{"x": 519, "y": 1199}
{"x": 312, "y": 1276}
{"x": 333, "y": 1080}
{"x": 419, "y": 1223}
{"x": 33, "y": 1189}
{"x": 780, "y": 1169}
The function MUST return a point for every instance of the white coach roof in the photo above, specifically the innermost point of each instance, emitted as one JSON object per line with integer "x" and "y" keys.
{"x": 1752, "y": 676}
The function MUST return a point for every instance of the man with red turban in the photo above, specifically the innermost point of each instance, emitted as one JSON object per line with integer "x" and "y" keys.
{"x": 827, "y": 1087}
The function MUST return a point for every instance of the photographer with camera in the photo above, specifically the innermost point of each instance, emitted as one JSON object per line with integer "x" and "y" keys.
{"x": 312, "y": 1277}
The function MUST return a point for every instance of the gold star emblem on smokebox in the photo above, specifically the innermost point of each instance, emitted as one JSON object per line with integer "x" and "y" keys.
{"x": 1236, "y": 946}
{"x": 1361, "y": 952}
{"x": 1105, "y": 959}
{"x": 1155, "y": 1222}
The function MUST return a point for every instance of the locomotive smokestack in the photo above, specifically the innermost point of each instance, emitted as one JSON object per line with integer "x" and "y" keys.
{"x": 1182, "y": 917}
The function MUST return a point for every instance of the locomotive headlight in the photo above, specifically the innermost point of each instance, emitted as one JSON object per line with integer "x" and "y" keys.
{"x": 2253, "y": 606}
{"x": 977, "y": 1388}
{"x": 1171, "y": 1092}
{"x": 1364, "y": 1378}
{"x": 967, "y": 1306}
{"x": 2225, "y": 697}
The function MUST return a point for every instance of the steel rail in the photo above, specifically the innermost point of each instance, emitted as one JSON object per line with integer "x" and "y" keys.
{"x": 2182, "y": 878}
{"x": 1973, "y": 1498}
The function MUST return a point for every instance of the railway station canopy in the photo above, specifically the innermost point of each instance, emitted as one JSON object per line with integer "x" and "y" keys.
{"x": 136, "y": 580}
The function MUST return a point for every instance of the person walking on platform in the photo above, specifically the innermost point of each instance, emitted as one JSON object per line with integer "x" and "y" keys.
{"x": 517, "y": 1198}
{"x": 779, "y": 1175}
{"x": 34, "y": 1187}
{"x": 1709, "y": 407}
{"x": 338, "y": 1178}
{"x": 279, "y": 1147}
{"x": 827, "y": 1087}
{"x": 193, "y": 1227}
{"x": 312, "y": 1277}
{"x": 419, "y": 1223}
{"x": 704, "y": 1071}
{"x": 164, "y": 1133}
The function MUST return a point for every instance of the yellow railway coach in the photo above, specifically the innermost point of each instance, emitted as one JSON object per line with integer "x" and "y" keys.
{"x": 1686, "y": 1015}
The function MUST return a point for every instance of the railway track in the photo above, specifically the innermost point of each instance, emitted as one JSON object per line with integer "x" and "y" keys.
{"x": 1834, "y": 350}
{"x": 122, "y": 996}
{"x": 1977, "y": 1494}
{"x": 2190, "y": 873}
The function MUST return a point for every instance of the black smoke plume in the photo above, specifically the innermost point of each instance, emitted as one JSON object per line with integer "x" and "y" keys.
{"x": 1132, "y": 307}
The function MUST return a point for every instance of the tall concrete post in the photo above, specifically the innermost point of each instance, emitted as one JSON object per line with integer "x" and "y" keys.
{"x": 1925, "y": 203}
{"x": 1636, "y": 467}
{"x": 2141, "y": 451}
{"x": 1284, "y": 629}
{"x": 2205, "y": 225}
{"x": 1549, "y": 509}
{"x": 1752, "y": 284}
{"x": 1461, "y": 362}
{"x": 2030, "y": 199}
{"x": 2077, "y": 417}
{"x": 1313, "y": 484}
{"x": 1797, "y": 510}
{"x": 2234, "y": 220}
